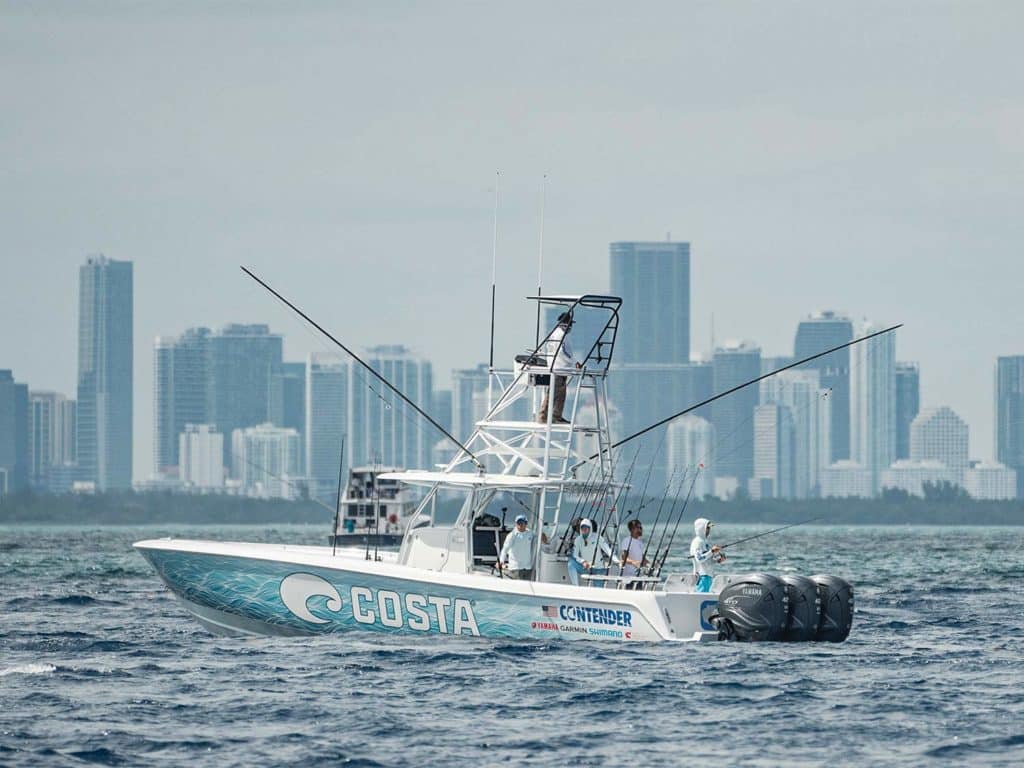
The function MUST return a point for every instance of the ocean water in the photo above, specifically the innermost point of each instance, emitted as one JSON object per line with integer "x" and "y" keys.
{"x": 99, "y": 664}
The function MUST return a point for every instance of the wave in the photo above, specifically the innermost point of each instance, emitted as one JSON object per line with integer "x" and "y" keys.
{"x": 28, "y": 669}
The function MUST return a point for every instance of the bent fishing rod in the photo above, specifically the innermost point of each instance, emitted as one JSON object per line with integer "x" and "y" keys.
{"x": 769, "y": 533}
{"x": 737, "y": 388}
{"x": 369, "y": 368}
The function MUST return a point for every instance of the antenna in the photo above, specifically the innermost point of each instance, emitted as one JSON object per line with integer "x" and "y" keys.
{"x": 337, "y": 506}
{"x": 494, "y": 262}
{"x": 540, "y": 254}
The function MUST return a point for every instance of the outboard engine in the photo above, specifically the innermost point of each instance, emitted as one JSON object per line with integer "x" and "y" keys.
{"x": 752, "y": 608}
{"x": 836, "y": 608}
{"x": 804, "y": 608}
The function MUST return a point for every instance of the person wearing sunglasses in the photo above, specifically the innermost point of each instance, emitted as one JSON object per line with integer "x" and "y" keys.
{"x": 632, "y": 549}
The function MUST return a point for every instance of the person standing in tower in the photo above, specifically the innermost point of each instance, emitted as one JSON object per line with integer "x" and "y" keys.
{"x": 558, "y": 349}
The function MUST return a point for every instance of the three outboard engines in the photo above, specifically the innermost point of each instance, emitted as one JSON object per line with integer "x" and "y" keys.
{"x": 789, "y": 608}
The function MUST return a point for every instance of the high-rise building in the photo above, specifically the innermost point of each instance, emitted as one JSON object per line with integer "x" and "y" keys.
{"x": 201, "y": 457}
{"x": 938, "y": 434}
{"x": 690, "y": 447}
{"x": 873, "y": 404}
{"x": 288, "y": 398}
{"x": 908, "y": 403}
{"x": 774, "y": 437}
{"x": 1009, "y": 431}
{"x": 244, "y": 359}
{"x": 810, "y": 407}
{"x": 327, "y": 403}
{"x": 441, "y": 410}
{"x": 383, "y": 429}
{"x": 181, "y": 393}
{"x": 653, "y": 280}
{"x": 815, "y": 334}
{"x": 268, "y": 461}
{"x": 733, "y": 416}
{"x": 466, "y": 383}
{"x": 105, "y": 355}
{"x": 51, "y": 441}
{"x": 14, "y": 434}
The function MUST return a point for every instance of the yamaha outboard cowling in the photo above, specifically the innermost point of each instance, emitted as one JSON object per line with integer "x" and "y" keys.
{"x": 836, "y": 608}
{"x": 804, "y": 608}
{"x": 752, "y": 608}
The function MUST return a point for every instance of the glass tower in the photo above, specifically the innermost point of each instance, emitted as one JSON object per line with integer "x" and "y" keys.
{"x": 1009, "y": 431}
{"x": 105, "y": 315}
{"x": 817, "y": 333}
{"x": 908, "y": 403}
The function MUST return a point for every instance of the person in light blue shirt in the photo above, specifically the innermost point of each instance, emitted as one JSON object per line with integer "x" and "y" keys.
{"x": 586, "y": 552}
{"x": 518, "y": 551}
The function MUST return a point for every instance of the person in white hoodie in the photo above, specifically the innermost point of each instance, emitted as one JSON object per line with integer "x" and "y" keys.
{"x": 585, "y": 554}
{"x": 704, "y": 554}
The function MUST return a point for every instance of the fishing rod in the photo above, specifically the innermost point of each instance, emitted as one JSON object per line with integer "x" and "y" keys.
{"x": 768, "y": 533}
{"x": 618, "y": 498}
{"x": 575, "y": 513}
{"x": 337, "y": 513}
{"x": 668, "y": 519}
{"x": 612, "y": 508}
{"x": 682, "y": 513}
{"x": 647, "y": 479}
{"x": 668, "y": 486}
{"x": 738, "y": 387}
{"x": 365, "y": 365}
{"x": 540, "y": 254}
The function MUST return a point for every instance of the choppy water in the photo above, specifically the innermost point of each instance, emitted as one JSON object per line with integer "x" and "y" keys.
{"x": 98, "y": 664}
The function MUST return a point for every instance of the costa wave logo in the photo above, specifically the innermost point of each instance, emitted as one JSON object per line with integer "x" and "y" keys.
{"x": 297, "y": 589}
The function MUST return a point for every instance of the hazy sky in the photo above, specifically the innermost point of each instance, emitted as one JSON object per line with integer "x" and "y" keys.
{"x": 864, "y": 157}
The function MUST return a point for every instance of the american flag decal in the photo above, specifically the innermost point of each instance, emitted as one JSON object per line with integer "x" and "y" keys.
{"x": 551, "y": 611}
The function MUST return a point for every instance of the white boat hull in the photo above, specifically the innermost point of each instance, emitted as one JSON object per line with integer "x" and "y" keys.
{"x": 265, "y": 589}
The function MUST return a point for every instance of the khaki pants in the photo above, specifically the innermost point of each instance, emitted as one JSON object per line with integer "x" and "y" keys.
{"x": 556, "y": 414}
{"x": 523, "y": 574}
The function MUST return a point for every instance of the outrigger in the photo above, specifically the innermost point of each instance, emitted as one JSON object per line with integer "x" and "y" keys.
{"x": 442, "y": 580}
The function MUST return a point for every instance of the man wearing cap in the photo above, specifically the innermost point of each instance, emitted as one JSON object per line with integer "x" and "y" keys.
{"x": 585, "y": 555}
{"x": 557, "y": 348}
{"x": 516, "y": 558}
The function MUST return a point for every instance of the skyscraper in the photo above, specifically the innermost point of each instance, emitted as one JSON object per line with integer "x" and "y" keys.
{"x": 814, "y": 334}
{"x": 466, "y": 383}
{"x": 1009, "y": 431}
{"x": 908, "y": 403}
{"x": 14, "y": 434}
{"x": 181, "y": 393}
{"x": 51, "y": 436}
{"x": 773, "y": 453}
{"x": 327, "y": 403}
{"x": 733, "y": 416}
{"x": 938, "y": 434}
{"x": 809, "y": 405}
{"x": 873, "y": 404}
{"x": 288, "y": 402}
{"x": 653, "y": 280}
{"x": 382, "y": 428}
{"x": 244, "y": 359}
{"x": 105, "y": 317}
{"x": 689, "y": 445}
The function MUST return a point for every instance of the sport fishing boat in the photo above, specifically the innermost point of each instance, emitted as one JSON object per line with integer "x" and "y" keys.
{"x": 374, "y": 511}
{"x": 442, "y": 580}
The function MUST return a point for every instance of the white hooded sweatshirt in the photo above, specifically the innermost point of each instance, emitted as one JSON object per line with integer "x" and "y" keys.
{"x": 700, "y": 549}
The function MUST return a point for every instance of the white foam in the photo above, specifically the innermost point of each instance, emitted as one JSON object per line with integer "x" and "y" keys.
{"x": 28, "y": 669}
